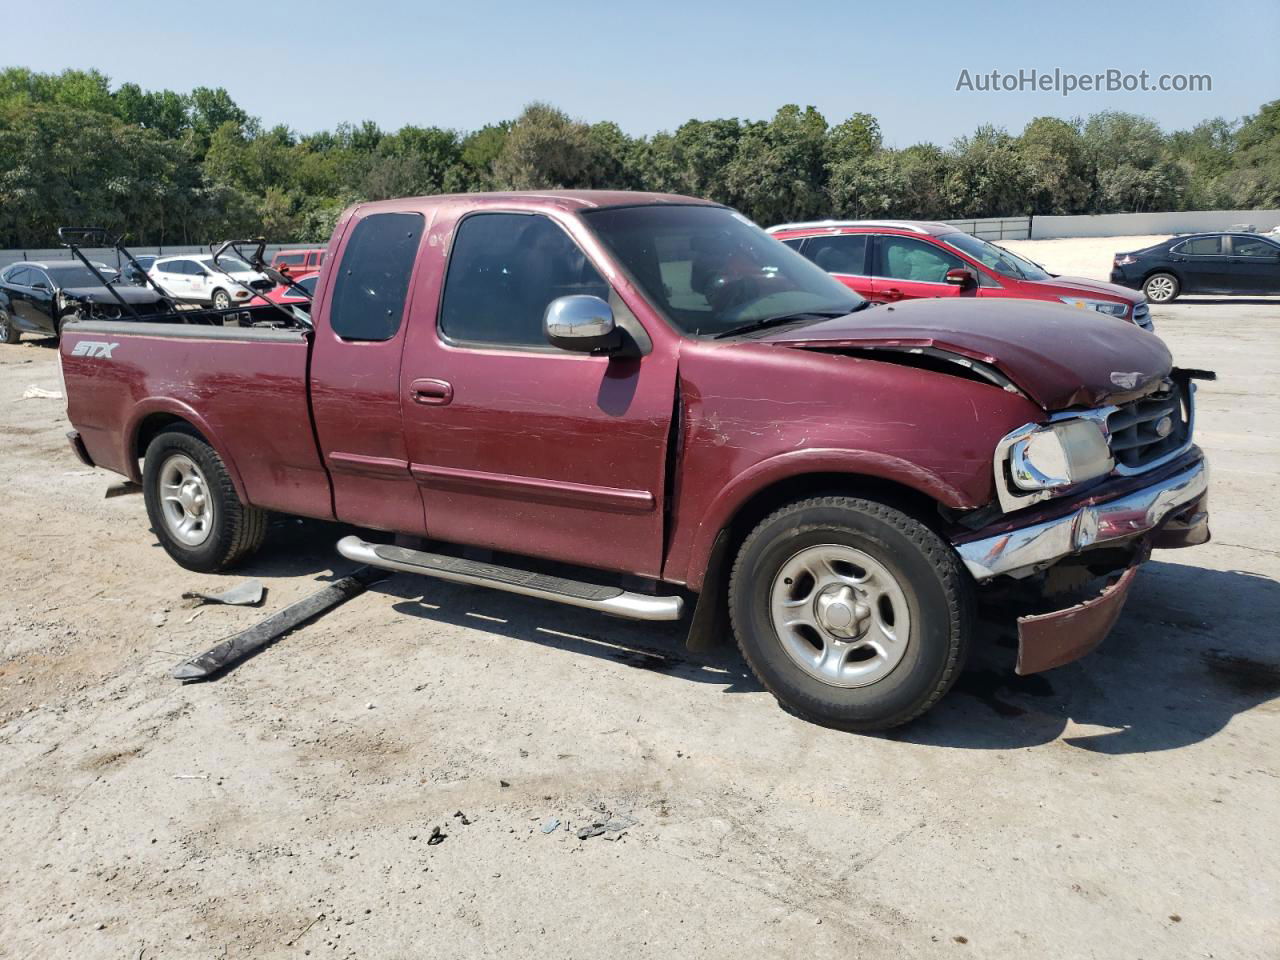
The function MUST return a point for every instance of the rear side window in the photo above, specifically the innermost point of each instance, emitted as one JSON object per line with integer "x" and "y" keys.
{"x": 1201, "y": 247}
{"x": 290, "y": 258}
{"x": 504, "y": 270}
{"x": 839, "y": 254}
{"x": 373, "y": 276}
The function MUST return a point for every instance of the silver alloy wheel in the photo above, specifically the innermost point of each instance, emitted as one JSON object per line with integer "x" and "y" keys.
{"x": 841, "y": 615}
{"x": 221, "y": 300}
{"x": 185, "y": 501}
{"x": 1160, "y": 289}
{"x": 4, "y": 325}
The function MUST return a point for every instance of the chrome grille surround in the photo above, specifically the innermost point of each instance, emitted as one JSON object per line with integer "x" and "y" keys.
{"x": 1130, "y": 430}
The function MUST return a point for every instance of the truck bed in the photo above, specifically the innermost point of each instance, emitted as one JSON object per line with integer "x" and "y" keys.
{"x": 243, "y": 387}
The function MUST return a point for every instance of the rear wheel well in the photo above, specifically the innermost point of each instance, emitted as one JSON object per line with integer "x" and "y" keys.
{"x": 155, "y": 424}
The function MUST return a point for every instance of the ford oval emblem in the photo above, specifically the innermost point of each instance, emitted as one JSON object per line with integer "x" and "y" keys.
{"x": 1164, "y": 427}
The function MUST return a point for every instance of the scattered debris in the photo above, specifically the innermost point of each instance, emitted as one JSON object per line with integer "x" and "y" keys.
{"x": 194, "y": 615}
{"x": 258, "y": 636}
{"x": 318, "y": 917}
{"x": 550, "y": 825}
{"x": 463, "y": 817}
{"x": 247, "y": 594}
{"x": 437, "y": 836}
{"x": 122, "y": 489}
{"x": 503, "y": 783}
{"x": 614, "y": 825}
{"x": 159, "y": 618}
{"x": 1175, "y": 918}
{"x": 191, "y": 776}
{"x": 40, "y": 393}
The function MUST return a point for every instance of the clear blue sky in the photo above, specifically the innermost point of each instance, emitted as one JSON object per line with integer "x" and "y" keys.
{"x": 650, "y": 66}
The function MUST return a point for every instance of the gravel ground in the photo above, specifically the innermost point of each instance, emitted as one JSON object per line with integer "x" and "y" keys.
{"x": 1124, "y": 806}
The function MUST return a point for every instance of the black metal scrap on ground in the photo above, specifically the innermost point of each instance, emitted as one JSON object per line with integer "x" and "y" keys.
{"x": 239, "y": 646}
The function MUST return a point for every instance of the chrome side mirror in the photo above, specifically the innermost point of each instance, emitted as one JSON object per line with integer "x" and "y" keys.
{"x": 582, "y": 324}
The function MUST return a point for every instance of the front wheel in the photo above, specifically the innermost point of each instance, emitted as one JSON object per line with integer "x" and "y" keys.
{"x": 8, "y": 332}
{"x": 850, "y": 612}
{"x": 193, "y": 506}
{"x": 1160, "y": 287}
{"x": 221, "y": 300}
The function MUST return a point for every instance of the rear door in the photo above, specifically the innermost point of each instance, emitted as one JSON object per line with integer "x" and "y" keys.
{"x": 907, "y": 268}
{"x": 845, "y": 256}
{"x": 1254, "y": 264}
{"x": 518, "y": 445}
{"x": 1203, "y": 263}
{"x": 355, "y": 371}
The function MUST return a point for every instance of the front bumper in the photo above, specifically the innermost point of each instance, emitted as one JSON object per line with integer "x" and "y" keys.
{"x": 1023, "y": 551}
{"x": 1171, "y": 512}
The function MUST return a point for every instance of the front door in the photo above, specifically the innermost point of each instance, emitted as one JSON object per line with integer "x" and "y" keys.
{"x": 521, "y": 446}
{"x": 1255, "y": 265}
{"x": 905, "y": 268}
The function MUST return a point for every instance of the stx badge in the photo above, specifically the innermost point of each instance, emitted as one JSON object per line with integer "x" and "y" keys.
{"x": 93, "y": 348}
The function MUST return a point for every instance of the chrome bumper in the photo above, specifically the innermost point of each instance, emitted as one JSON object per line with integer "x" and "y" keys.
{"x": 1023, "y": 551}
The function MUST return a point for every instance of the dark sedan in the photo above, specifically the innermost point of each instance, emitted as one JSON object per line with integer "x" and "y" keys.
{"x": 1203, "y": 263}
{"x": 39, "y": 297}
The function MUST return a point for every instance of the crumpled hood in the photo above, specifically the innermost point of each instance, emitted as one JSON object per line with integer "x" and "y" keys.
{"x": 102, "y": 295}
{"x": 1085, "y": 286}
{"x": 1059, "y": 356}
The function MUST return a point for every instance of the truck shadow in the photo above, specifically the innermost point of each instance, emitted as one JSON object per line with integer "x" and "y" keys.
{"x": 1190, "y": 652}
{"x": 657, "y": 647}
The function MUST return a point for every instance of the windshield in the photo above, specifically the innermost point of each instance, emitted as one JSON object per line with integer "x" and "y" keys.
{"x": 70, "y": 277}
{"x": 997, "y": 258}
{"x": 710, "y": 269}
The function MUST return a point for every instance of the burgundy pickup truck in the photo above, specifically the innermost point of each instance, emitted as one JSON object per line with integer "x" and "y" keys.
{"x": 652, "y": 390}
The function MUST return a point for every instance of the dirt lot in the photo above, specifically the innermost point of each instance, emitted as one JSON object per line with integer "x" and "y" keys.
{"x": 1124, "y": 806}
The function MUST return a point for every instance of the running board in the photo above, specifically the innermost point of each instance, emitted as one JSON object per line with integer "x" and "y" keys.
{"x": 575, "y": 593}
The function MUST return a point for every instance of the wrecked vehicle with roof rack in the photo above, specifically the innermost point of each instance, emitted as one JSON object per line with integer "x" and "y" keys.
{"x": 653, "y": 391}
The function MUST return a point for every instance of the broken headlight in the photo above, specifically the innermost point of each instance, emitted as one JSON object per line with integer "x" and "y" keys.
{"x": 1060, "y": 454}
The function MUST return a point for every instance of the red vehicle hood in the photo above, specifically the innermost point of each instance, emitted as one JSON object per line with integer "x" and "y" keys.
{"x": 1083, "y": 286}
{"x": 1060, "y": 356}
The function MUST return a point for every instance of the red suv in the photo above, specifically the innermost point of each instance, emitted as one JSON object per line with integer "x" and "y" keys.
{"x": 889, "y": 260}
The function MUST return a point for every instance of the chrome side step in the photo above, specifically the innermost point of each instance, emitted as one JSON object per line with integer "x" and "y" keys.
{"x": 614, "y": 600}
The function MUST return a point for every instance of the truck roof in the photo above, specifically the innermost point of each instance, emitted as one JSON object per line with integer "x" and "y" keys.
{"x": 558, "y": 199}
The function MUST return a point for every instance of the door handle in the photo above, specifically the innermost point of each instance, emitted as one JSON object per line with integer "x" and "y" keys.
{"x": 893, "y": 293}
{"x": 438, "y": 392}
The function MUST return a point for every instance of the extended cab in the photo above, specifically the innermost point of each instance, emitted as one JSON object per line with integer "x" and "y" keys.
{"x": 652, "y": 389}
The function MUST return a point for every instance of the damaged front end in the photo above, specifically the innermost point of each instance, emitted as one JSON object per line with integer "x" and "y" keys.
{"x": 1059, "y": 533}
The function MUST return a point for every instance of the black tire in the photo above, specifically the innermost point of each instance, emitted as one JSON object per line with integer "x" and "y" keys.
{"x": 8, "y": 332}
{"x": 937, "y": 590}
{"x": 221, "y": 299}
{"x": 1161, "y": 288}
{"x": 235, "y": 531}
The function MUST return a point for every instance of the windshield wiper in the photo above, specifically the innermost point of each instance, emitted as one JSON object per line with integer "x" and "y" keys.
{"x": 783, "y": 319}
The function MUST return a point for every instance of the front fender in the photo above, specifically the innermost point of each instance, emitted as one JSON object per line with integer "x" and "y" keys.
{"x": 799, "y": 463}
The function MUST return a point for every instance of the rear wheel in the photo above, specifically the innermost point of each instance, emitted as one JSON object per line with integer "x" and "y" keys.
{"x": 221, "y": 300}
{"x": 851, "y": 613}
{"x": 8, "y": 332}
{"x": 193, "y": 506}
{"x": 1161, "y": 287}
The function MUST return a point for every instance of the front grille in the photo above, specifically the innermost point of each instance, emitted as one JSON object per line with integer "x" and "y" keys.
{"x": 1146, "y": 431}
{"x": 1142, "y": 316}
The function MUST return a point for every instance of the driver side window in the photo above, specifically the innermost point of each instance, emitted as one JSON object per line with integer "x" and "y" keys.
{"x": 504, "y": 269}
{"x": 904, "y": 258}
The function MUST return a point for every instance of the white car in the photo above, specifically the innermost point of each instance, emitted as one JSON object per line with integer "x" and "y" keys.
{"x": 195, "y": 279}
